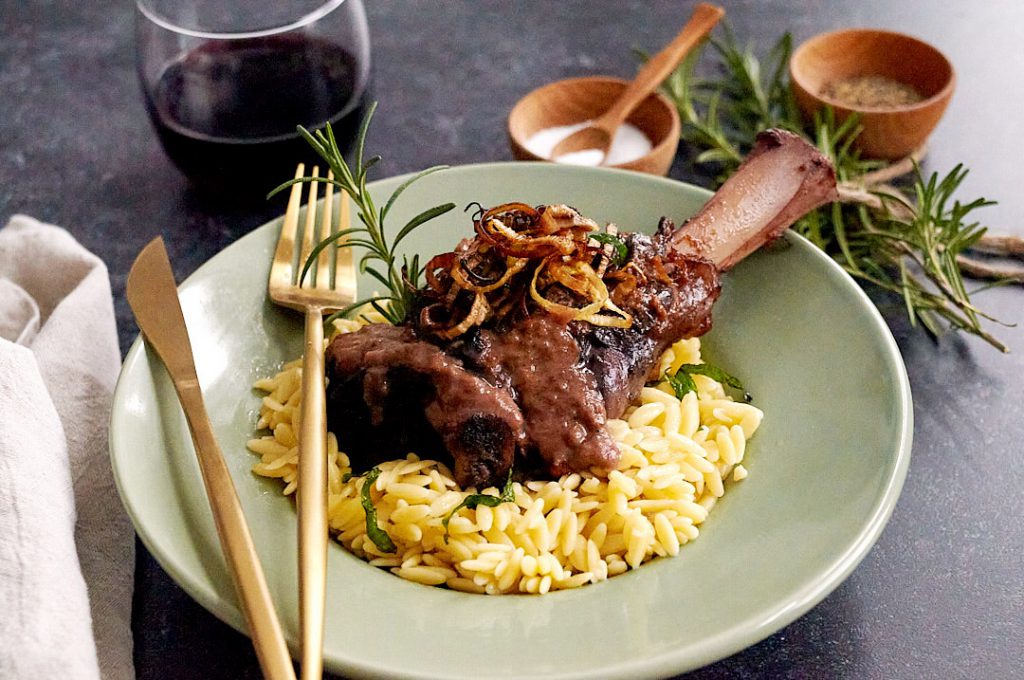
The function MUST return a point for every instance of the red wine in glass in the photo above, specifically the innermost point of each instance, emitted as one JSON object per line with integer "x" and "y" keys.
{"x": 226, "y": 111}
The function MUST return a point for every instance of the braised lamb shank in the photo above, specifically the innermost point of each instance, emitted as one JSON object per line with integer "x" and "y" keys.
{"x": 532, "y": 385}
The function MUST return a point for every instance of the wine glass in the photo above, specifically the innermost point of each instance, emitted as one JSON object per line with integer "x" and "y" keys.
{"x": 227, "y": 81}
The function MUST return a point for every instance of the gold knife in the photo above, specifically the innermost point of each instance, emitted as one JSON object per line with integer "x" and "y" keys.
{"x": 153, "y": 297}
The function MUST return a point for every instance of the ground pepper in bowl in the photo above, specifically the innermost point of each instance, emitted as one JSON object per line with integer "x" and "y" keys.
{"x": 871, "y": 91}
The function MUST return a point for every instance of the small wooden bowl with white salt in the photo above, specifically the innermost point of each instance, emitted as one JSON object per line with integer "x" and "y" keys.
{"x": 646, "y": 142}
{"x": 899, "y": 85}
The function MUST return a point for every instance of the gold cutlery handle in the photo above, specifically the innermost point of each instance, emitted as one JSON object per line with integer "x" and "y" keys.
{"x": 236, "y": 541}
{"x": 312, "y": 499}
{"x": 153, "y": 297}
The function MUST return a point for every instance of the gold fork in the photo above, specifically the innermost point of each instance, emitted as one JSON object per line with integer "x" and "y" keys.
{"x": 318, "y": 293}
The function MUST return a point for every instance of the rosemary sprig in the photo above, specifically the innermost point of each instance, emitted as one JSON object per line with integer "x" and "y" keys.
{"x": 912, "y": 249}
{"x": 399, "y": 278}
{"x": 909, "y": 245}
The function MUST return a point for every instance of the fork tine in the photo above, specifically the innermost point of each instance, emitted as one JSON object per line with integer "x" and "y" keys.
{"x": 323, "y": 267}
{"x": 281, "y": 270}
{"x": 310, "y": 231}
{"x": 344, "y": 266}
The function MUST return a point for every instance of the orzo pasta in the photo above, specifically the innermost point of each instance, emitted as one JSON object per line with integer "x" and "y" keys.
{"x": 676, "y": 456}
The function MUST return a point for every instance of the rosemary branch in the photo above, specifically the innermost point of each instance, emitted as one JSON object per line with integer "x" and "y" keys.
{"x": 400, "y": 278}
{"x": 907, "y": 241}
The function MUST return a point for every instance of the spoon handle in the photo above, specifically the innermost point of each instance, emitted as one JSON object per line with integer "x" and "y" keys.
{"x": 658, "y": 67}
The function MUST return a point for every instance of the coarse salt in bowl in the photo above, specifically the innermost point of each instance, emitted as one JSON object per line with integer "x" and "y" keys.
{"x": 546, "y": 115}
{"x": 629, "y": 144}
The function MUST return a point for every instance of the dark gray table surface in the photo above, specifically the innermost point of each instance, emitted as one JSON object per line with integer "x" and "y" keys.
{"x": 942, "y": 593}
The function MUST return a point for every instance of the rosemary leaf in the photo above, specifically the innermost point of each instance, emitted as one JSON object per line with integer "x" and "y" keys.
{"x": 345, "y": 311}
{"x": 425, "y": 216}
{"x": 713, "y": 372}
{"x": 405, "y": 185}
{"x": 682, "y": 383}
{"x": 682, "y": 380}
{"x": 380, "y": 277}
{"x": 319, "y": 248}
{"x": 379, "y": 537}
{"x": 621, "y": 251}
{"x": 473, "y": 500}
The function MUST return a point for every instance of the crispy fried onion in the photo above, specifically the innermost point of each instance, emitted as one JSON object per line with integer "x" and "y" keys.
{"x": 429, "y": 318}
{"x": 462, "y": 275}
{"x": 442, "y": 263}
{"x": 515, "y": 244}
{"x": 579, "y": 277}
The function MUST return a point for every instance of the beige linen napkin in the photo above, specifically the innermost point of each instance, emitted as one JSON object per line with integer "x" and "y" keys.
{"x": 66, "y": 546}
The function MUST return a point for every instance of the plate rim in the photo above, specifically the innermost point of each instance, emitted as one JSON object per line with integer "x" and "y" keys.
{"x": 738, "y": 637}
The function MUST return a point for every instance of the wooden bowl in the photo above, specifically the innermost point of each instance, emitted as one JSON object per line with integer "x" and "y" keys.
{"x": 889, "y": 132}
{"x": 566, "y": 102}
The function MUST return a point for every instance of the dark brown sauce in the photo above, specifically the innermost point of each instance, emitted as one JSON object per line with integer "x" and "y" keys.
{"x": 562, "y": 407}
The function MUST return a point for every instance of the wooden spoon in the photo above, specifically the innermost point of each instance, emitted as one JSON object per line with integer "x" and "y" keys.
{"x": 599, "y": 134}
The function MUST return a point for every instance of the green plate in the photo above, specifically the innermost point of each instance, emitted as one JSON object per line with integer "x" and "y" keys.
{"x": 826, "y": 467}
